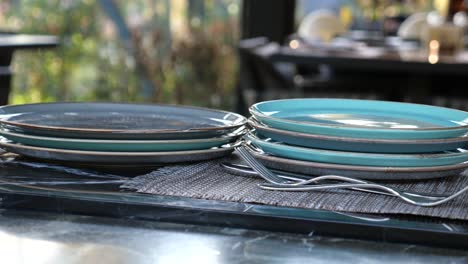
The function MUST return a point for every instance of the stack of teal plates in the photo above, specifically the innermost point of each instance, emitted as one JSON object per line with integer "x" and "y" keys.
{"x": 360, "y": 138}
{"x": 115, "y": 133}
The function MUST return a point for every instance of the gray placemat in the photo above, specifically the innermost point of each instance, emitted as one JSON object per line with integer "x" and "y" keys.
{"x": 208, "y": 180}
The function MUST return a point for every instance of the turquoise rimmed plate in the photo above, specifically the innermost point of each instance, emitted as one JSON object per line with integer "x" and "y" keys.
{"x": 359, "y": 144}
{"x": 360, "y": 172}
{"x": 362, "y": 118}
{"x": 358, "y": 158}
{"x": 113, "y": 157}
{"x": 120, "y": 145}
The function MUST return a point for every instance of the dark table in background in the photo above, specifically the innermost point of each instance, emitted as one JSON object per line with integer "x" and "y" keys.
{"x": 417, "y": 73}
{"x": 376, "y": 59}
{"x": 9, "y": 43}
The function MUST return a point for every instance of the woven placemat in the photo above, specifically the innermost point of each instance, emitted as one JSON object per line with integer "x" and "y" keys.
{"x": 208, "y": 180}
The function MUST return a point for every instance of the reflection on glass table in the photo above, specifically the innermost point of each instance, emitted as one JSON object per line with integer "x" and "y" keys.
{"x": 27, "y": 237}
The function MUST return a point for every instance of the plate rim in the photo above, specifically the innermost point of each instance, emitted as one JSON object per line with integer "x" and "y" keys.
{"x": 241, "y": 119}
{"x": 389, "y": 169}
{"x": 255, "y": 123}
{"x": 362, "y": 154}
{"x": 222, "y": 138}
{"x": 225, "y": 147}
{"x": 255, "y": 112}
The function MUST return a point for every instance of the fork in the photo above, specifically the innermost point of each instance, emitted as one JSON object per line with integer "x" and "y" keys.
{"x": 281, "y": 184}
{"x": 301, "y": 178}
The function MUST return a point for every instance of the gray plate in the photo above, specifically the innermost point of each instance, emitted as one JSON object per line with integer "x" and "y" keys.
{"x": 118, "y": 121}
{"x": 362, "y": 172}
{"x": 120, "y": 145}
{"x": 116, "y": 157}
{"x": 359, "y": 144}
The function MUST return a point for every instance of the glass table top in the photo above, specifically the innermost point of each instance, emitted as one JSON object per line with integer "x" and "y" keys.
{"x": 34, "y": 237}
{"x": 40, "y": 187}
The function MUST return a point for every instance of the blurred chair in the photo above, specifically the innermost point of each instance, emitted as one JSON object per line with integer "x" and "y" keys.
{"x": 258, "y": 75}
{"x": 6, "y": 73}
{"x": 261, "y": 79}
{"x": 9, "y": 42}
{"x": 265, "y": 80}
{"x": 5, "y": 83}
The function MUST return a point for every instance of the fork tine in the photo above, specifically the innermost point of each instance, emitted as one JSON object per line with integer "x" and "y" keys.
{"x": 262, "y": 171}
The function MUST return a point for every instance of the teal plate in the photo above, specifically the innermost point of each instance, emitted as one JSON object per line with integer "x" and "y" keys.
{"x": 359, "y": 144}
{"x": 359, "y": 172}
{"x": 120, "y": 145}
{"x": 111, "y": 157}
{"x": 358, "y": 158}
{"x": 362, "y": 118}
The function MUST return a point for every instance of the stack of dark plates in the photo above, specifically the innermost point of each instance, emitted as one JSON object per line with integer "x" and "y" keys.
{"x": 119, "y": 134}
{"x": 359, "y": 138}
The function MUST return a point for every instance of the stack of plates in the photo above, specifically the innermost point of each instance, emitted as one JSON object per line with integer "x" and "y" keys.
{"x": 360, "y": 138}
{"x": 112, "y": 133}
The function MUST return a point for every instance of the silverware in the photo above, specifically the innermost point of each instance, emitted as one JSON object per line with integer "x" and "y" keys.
{"x": 306, "y": 179}
{"x": 407, "y": 197}
{"x": 258, "y": 167}
{"x": 246, "y": 170}
{"x": 281, "y": 184}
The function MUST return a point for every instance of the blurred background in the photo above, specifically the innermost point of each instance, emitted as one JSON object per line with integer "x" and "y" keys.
{"x": 230, "y": 53}
{"x": 138, "y": 51}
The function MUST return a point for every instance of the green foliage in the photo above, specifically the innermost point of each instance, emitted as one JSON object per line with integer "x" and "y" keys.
{"x": 186, "y": 62}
